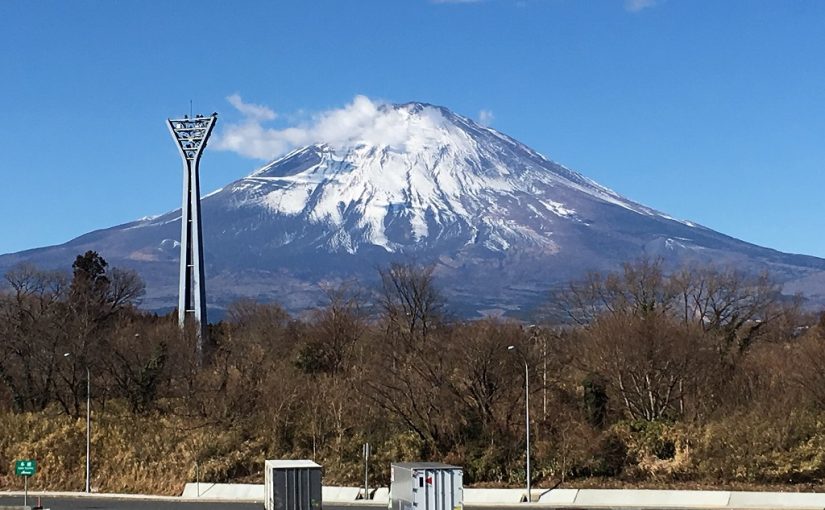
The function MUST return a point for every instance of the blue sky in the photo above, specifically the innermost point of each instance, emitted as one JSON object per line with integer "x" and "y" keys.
{"x": 712, "y": 111}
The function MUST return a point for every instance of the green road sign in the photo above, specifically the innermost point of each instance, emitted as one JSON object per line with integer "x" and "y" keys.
{"x": 25, "y": 467}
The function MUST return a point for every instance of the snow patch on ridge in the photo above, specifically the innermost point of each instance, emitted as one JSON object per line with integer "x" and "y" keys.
{"x": 415, "y": 173}
{"x": 557, "y": 208}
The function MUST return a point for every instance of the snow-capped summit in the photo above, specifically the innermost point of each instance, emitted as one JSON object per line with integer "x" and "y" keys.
{"x": 414, "y": 181}
{"x": 429, "y": 176}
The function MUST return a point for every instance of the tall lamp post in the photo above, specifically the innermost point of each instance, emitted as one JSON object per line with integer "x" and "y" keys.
{"x": 191, "y": 136}
{"x": 512, "y": 348}
{"x": 88, "y": 427}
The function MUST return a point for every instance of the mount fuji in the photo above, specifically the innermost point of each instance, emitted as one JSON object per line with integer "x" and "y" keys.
{"x": 501, "y": 223}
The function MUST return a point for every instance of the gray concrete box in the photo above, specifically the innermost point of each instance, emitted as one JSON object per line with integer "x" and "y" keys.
{"x": 426, "y": 486}
{"x": 292, "y": 485}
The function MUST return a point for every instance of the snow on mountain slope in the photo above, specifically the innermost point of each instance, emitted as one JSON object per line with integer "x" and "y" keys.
{"x": 444, "y": 170}
{"x": 500, "y": 222}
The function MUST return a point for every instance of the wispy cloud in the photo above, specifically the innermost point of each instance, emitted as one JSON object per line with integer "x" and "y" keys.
{"x": 638, "y": 5}
{"x": 485, "y": 117}
{"x": 250, "y": 110}
{"x": 362, "y": 121}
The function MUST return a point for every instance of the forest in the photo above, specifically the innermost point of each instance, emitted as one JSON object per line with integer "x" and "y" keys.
{"x": 702, "y": 377}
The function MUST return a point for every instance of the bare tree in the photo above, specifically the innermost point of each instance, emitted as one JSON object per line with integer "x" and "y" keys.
{"x": 30, "y": 327}
{"x": 734, "y": 307}
{"x": 650, "y": 362}
{"x": 333, "y": 331}
{"x": 412, "y": 305}
{"x": 485, "y": 379}
{"x": 410, "y": 380}
{"x": 641, "y": 287}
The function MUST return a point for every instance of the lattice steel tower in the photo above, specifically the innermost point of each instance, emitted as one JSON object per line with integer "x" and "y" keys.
{"x": 191, "y": 136}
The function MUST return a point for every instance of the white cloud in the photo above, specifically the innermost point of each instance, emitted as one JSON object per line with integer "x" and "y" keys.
{"x": 363, "y": 121}
{"x": 254, "y": 111}
{"x": 638, "y": 5}
{"x": 485, "y": 117}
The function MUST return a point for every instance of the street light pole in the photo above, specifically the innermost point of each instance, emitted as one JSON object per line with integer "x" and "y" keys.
{"x": 88, "y": 426}
{"x": 526, "y": 413}
{"x": 88, "y": 430}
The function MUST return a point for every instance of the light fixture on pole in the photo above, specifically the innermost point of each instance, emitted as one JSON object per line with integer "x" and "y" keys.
{"x": 512, "y": 348}
{"x": 88, "y": 426}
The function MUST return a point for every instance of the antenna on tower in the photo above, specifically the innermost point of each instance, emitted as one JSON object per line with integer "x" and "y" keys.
{"x": 190, "y": 108}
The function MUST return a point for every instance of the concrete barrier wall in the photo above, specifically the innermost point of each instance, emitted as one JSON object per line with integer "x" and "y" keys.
{"x": 482, "y": 496}
{"x": 224, "y": 491}
{"x": 652, "y": 498}
{"x": 557, "y": 497}
{"x": 572, "y": 498}
{"x": 329, "y": 493}
{"x": 255, "y": 492}
{"x": 776, "y": 500}
{"x": 381, "y": 495}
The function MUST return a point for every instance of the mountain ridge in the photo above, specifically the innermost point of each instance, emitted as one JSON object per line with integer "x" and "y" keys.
{"x": 501, "y": 222}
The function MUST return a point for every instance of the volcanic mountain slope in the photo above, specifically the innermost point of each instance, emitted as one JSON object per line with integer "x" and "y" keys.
{"x": 501, "y": 222}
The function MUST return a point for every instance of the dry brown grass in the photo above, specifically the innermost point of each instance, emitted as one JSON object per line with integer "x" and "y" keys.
{"x": 156, "y": 455}
{"x": 130, "y": 454}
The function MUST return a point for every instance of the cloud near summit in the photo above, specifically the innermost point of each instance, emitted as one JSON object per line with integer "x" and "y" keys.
{"x": 253, "y": 111}
{"x": 361, "y": 121}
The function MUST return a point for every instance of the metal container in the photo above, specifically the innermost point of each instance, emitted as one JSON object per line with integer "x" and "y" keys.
{"x": 292, "y": 485}
{"x": 426, "y": 486}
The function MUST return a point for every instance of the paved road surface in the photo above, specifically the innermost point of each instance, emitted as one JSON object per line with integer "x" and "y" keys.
{"x": 104, "y": 503}
{"x": 100, "y": 503}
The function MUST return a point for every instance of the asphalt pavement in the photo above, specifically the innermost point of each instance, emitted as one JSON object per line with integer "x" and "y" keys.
{"x": 114, "y": 503}
{"x": 103, "y": 503}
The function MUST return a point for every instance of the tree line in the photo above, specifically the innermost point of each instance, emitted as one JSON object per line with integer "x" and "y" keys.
{"x": 703, "y": 375}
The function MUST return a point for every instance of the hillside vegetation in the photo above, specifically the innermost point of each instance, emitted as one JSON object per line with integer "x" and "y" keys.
{"x": 703, "y": 377}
